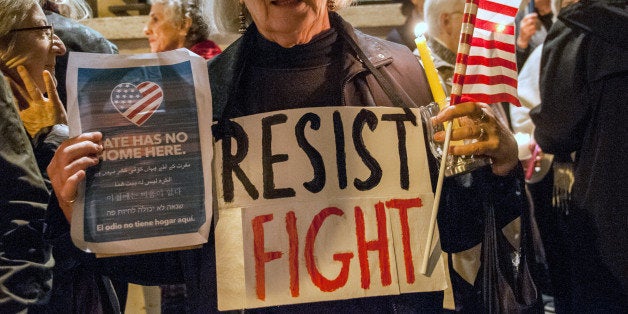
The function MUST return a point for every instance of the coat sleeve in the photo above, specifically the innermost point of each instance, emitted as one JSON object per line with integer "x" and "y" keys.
{"x": 25, "y": 259}
{"x": 559, "y": 119}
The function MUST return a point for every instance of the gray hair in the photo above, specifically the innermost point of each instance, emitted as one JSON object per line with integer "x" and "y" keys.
{"x": 432, "y": 10}
{"x": 11, "y": 14}
{"x": 179, "y": 10}
{"x": 74, "y": 9}
{"x": 225, "y": 14}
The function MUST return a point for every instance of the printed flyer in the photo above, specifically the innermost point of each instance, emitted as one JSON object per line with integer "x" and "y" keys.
{"x": 152, "y": 188}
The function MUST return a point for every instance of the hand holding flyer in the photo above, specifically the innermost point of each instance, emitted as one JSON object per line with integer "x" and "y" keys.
{"x": 152, "y": 189}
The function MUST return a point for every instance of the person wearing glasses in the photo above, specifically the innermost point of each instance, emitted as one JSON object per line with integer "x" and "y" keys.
{"x": 28, "y": 52}
{"x": 29, "y": 107}
{"x": 65, "y": 16}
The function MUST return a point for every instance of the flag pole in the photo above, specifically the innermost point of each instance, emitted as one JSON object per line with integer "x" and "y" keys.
{"x": 470, "y": 10}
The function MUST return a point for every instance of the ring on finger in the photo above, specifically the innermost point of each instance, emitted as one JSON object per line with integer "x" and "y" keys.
{"x": 482, "y": 134}
{"x": 482, "y": 118}
{"x": 73, "y": 199}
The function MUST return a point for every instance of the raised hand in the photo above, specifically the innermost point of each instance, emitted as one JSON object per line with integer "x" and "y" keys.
{"x": 42, "y": 111}
{"x": 527, "y": 28}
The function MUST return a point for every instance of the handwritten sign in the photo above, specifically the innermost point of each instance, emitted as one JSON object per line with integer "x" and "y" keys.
{"x": 322, "y": 204}
{"x": 152, "y": 189}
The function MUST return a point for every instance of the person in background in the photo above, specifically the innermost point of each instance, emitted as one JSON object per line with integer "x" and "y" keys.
{"x": 236, "y": 73}
{"x": 444, "y": 24}
{"x": 31, "y": 51}
{"x": 444, "y": 20}
{"x": 28, "y": 48}
{"x": 546, "y": 180}
{"x": 64, "y": 16}
{"x": 404, "y": 34}
{"x": 176, "y": 24}
{"x": 531, "y": 28}
{"x": 583, "y": 110}
{"x": 26, "y": 258}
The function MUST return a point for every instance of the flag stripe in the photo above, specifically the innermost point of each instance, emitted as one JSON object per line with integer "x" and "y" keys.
{"x": 496, "y": 17}
{"x": 487, "y": 35}
{"x": 491, "y": 70}
{"x": 492, "y": 44}
{"x": 147, "y": 88}
{"x": 481, "y": 91}
{"x": 488, "y": 89}
{"x": 479, "y": 65}
{"x": 491, "y": 54}
{"x": 491, "y": 99}
{"x": 490, "y": 79}
{"x": 496, "y": 6}
{"x": 494, "y": 27}
{"x": 486, "y": 68}
{"x": 144, "y": 115}
{"x": 492, "y": 62}
{"x": 143, "y": 103}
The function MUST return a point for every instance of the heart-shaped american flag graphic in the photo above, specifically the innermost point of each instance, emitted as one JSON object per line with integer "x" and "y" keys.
{"x": 137, "y": 103}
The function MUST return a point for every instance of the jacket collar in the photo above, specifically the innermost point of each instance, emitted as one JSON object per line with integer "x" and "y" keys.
{"x": 226, "y": 68}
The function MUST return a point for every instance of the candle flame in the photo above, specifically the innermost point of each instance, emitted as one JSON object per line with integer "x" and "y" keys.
{"x": 420, "y": 29}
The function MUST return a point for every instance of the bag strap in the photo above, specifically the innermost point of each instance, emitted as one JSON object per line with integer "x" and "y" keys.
{"x": 111, "y": 294}
{"x": 383, "y": 81}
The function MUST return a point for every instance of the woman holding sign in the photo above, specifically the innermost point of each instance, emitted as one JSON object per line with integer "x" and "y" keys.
{"x": 336, "y": 65}
{"x": 301, "y": 54}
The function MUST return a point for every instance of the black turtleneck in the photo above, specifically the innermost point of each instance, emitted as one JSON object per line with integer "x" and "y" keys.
{"x": 307, "y": 75}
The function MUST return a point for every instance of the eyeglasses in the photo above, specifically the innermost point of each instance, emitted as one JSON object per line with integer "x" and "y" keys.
{"x": 49, "y": 30}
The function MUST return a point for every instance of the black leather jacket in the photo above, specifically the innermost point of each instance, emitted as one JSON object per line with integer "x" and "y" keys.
{"x": 461, "y": 209}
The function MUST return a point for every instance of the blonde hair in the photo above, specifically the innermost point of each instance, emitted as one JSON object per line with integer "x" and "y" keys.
{"x": 224, "y": 14}
{"x": 12, "y": 13}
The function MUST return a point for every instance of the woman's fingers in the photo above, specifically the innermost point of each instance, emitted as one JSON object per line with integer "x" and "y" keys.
{"x": 32, "y": 90}
{"x": 471, "y": 109}
{"x": 71, "y": 154}
{"x": 69, "y": 194}
{"x": 482, "y": 135}
{"x": 19, "y": 89}
{"x": 57, "y": 109}
{"x": 473, "y": 131}
{"x": 67, "y": 168}
{"x": 72, "y": 158}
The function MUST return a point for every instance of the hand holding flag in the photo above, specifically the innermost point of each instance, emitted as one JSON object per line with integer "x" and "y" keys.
{"x": 485, "y": 72}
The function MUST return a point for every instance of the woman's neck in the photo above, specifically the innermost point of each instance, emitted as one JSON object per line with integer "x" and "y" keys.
{"x": 297, "y": 37}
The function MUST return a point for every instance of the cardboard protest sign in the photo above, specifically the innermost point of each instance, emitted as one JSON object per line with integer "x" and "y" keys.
{"x": 322, "y": 204}
{"x": 152, "y": 188}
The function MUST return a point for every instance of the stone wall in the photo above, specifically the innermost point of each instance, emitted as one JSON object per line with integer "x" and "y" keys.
{"x": 127, "y": 32}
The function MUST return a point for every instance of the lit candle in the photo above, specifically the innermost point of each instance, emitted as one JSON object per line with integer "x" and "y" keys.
{"x": 430, "y": 69}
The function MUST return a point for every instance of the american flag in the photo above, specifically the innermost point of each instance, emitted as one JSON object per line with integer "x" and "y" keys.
{"x": 137, "y": 104}
{"x": 486, "y": 68}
